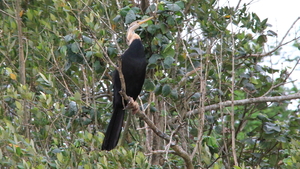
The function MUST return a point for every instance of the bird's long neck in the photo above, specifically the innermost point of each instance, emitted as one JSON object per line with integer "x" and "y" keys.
{"x": 131, "y": 35}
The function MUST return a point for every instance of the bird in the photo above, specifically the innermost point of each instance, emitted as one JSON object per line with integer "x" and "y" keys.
{"x": 134, "y": 65}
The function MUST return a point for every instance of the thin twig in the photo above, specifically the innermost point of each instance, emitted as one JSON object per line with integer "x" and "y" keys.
{"x": 8, "y": 14}
{"x": 186, "y": 76}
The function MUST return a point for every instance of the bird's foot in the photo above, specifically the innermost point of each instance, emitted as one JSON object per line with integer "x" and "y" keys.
{"x": 133, "y": 105}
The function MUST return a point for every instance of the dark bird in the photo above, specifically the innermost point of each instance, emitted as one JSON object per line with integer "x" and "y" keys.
{"x": 133, "y": 68}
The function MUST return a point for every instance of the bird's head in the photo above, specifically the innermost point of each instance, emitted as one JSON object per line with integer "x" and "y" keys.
{"x": 131, "y": 35}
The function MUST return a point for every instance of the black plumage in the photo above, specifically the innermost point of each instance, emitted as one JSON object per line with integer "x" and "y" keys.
{"x": 133, "y": 68}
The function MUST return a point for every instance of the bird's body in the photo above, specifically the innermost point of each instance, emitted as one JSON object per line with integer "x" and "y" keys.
{"x": 133, "y": 68}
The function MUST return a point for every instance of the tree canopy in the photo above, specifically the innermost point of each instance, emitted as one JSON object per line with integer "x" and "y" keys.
{"x": 209, "y": 99}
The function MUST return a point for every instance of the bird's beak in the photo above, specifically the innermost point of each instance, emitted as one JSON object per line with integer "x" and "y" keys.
{"x": 145, "y": 20}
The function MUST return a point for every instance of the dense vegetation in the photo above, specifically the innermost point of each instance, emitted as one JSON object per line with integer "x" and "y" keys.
{"x": 207, "y": 92}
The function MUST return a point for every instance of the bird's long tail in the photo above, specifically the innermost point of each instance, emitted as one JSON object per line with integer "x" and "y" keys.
{"x": 113, "y": 130}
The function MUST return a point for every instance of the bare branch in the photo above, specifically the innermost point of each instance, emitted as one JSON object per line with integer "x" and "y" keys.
{"x": 245, "y": 101}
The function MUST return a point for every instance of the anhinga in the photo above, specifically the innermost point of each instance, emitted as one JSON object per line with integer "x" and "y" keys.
{"x": 133, "y": 68}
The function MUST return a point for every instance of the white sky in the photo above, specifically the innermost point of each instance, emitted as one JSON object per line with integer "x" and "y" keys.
{"x": 281, "y": 14}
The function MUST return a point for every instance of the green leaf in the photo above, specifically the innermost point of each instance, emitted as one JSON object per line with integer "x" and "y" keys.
{"x": 158, "y": 89}
{"x": 87, "y": 39}
{"x": 263, "y": 117}
{"x": 168, "y": 62}
{"x": 151, "y": 29}
{"x": 153, "y": 109}
{"x": 124, "y": 11}
{"x": 44, "y": 77}
{"x": 18, "y": 105}
{"x": 18, "y": 151}
{"x": 29, "y": 14}
{"x": 63, "y": 50}
{"x": 75, "y": 47}
{"x": 165, "y": 80}
{"x": 149, "y": 85}
{"x": 56, "y": 150}
{"x": 169, "y": 51}
{"x": 77, "y": 96}
{"x": 253, "y": 80}
{"x": 153, "y": 59}
{"x": 13, "y": 25}
{"x": 270, "y": 128}
{"x": 180, "y": 4}
{"x": 89, "y": 136}
{"x": 174, "y": 94}
{"x": 59, "y": 157}
{"x": 117, "y": 18}
{"x": 46, "y": 23}
{"x": 271, "y": 33}
{"x": 89, "y": 54}
{"x": 262, "y": 39}
{"x": 161, "y": 6}
{"x": 170, "y": 21}
{"x": 263, "y": 23}
{"x": 173, "y": 7}
{"x": 282, "y": 139}
{"x": 130, "y": 17}
{"x": 52, "y": 17}
{"x": 164, "y": 29}
{"x": 166, "y": 90}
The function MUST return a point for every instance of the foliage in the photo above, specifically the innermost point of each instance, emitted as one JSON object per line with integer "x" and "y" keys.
{"x": 198, "y": 56}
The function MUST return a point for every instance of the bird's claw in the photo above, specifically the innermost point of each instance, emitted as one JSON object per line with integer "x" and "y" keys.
{"x": 133, "y": 105}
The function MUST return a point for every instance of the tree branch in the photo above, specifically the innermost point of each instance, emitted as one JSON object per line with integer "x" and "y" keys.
{"x": 245, "y": 101}
{"x": 186, "y": 76}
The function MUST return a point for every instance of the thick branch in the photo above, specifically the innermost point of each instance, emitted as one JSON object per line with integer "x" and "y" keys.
{"x": 182, "y": 153}
{"x": 245, "y": 101}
